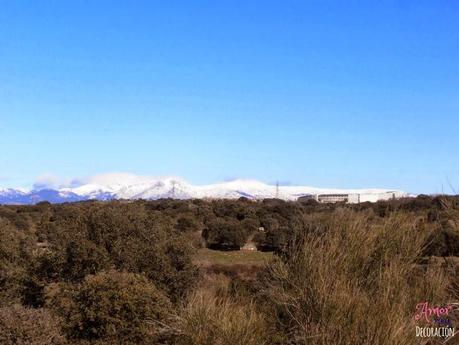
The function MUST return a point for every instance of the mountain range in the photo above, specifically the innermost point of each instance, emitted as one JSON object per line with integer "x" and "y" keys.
{"x": 129, "y": 186}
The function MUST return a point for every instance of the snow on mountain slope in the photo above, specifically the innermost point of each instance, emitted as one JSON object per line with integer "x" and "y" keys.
{"x": 130, "y": 186}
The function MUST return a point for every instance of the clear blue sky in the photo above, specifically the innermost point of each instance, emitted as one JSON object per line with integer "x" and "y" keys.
{"x": 323, "y": 93}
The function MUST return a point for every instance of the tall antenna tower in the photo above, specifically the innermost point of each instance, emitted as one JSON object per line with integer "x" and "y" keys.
{"x": 277, "y": 189}
{"x": 173, "y": 189}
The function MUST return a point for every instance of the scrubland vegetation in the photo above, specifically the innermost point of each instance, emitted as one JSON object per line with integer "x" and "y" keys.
{"x": 169, "y": 272}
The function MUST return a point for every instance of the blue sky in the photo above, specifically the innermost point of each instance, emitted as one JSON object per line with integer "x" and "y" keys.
{"x": 323, "y": 93}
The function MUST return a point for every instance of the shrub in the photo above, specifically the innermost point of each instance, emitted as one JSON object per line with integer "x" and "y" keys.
{"x": 85, "y": 239}
{"x": 15, "y": 251}
{"x": 225, "y": 234}
{"x": 111, "y": 306}
{"x": 444, "y": 240}
{"x": 20, "y": 325}
{"x": 187, "y": 223}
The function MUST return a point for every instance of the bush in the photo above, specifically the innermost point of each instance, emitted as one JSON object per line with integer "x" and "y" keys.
{"x": 20, "y": 325}
{"x": 111, "y": 306}
{"x": 225, "y": 234}
{"x": 85, "y": 239}
{"x": 444, "y": 240}
{"x": 187, "y": 223}
{"x": 15, "y": 252}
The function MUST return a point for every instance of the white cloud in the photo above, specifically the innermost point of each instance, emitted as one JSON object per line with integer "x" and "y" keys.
{"x": 48, "y": 181}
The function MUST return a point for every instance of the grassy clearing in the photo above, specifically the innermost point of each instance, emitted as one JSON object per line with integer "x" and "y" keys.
{"x": 208, "y": 257}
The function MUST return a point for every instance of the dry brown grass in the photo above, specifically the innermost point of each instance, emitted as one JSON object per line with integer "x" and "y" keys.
{"x": 355, "y": 280}
{"x": 212, "y": 316}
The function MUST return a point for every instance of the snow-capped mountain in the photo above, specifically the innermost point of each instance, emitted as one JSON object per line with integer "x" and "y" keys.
{"x": 17, "y": 196}
{"x": 129, "y": 186}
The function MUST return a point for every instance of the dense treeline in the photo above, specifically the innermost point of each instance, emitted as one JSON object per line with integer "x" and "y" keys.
{"x": 123, "y": 272}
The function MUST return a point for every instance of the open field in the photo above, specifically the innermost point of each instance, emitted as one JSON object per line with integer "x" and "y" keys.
{"x": 206, "y": 257}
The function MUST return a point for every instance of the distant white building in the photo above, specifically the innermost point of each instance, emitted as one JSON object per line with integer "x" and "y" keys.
{"x": 350, "y": 198}
{"x": 353, "y": 198}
